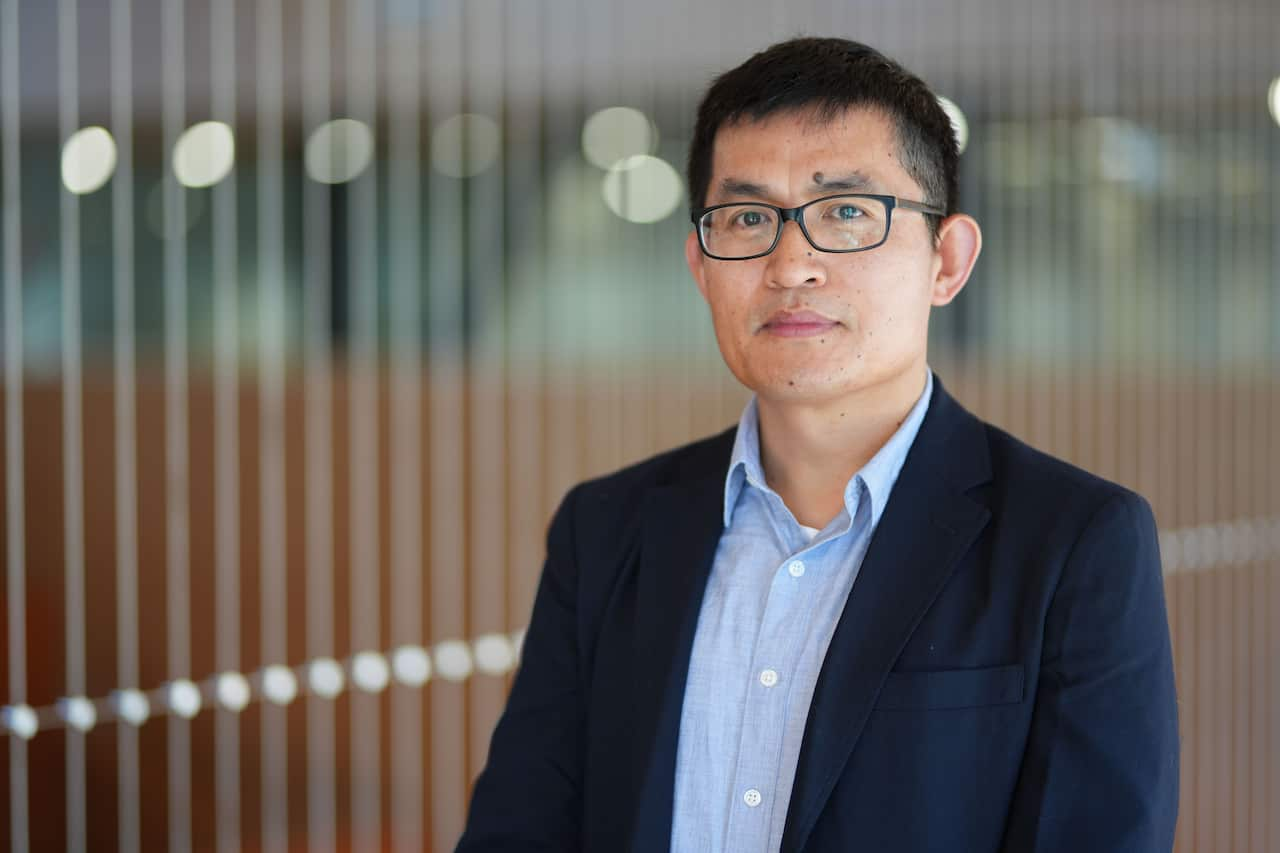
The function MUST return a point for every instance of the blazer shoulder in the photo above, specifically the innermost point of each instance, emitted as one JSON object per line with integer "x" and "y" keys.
{"x": 1033, "y": 478}
{"x": 606, "y": 513}
{"x": 702, "y": 458}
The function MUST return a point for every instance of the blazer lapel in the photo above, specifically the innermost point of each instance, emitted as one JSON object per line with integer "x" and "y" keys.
{"x": 927, "y": 526}
{"x": 680, "y": 528}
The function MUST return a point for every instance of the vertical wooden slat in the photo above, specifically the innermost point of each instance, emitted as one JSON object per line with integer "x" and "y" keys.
{"x": 72, "y": 429}
{"x": 365, "y": 560}
{"x": 405, "y": 735}
{"x": 176, "y": 425}
{"x": 272, "y": 471}
{"x": 226, "y": 461}
{"x": 15, "y": 553}
{"x": 448, "y": 613}
{"x": 487, "y": 40}
{"x": 123, "y": 393}
{"x": 317, "y": 478}
{"x": 527, "y": 438}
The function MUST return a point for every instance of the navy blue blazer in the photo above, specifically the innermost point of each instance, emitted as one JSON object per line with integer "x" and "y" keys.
{"x": 1001, "y": 678}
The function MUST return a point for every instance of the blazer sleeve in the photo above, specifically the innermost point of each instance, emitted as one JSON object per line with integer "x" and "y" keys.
{"x": 1100, "y": 771}
{"x": 529, "y": 795}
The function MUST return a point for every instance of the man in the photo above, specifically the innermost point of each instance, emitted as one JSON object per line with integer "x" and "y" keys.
{"x": 863, "y": 620}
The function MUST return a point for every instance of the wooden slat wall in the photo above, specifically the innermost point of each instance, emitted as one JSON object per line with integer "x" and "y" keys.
{"x": 1123, "y": 316}
{"x": 1222, "y": 608}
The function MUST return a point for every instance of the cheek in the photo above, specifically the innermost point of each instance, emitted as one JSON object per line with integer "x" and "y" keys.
{"x": 728, "y": 320}
{"x": 885, "y": 313}
{"x": 729, "y": 310}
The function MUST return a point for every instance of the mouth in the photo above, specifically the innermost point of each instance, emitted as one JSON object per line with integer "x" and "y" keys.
{"x": 798, "y": 324}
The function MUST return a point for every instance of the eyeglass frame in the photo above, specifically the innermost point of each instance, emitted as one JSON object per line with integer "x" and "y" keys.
{"x": 795, "y": 214}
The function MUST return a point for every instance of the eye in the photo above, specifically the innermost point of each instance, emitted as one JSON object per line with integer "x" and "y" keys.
{"x": 750, "y": 218}
{"x": 848, "y": 211}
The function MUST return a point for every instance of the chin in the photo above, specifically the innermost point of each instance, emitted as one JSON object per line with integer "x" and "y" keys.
{"x": 803, "y": 387}
{"x": 822, "y": 376}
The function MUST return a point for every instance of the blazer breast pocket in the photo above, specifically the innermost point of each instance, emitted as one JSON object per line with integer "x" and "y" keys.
{"x": 951, "y": 688}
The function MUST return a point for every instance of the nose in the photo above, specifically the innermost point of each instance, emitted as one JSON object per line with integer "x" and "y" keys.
{"x": 794, "y": 262}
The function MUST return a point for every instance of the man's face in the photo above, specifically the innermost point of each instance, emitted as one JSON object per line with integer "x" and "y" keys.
{"x": 802, "y": 325}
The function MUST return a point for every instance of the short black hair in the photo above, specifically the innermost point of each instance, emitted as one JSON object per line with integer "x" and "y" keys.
{"x": 828, "y": 76}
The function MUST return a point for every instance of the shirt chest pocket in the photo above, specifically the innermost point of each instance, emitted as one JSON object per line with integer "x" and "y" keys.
{"x": 952, "y": 688}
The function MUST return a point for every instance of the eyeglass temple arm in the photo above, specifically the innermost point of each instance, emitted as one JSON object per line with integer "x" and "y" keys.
{"x": 917, "y": 206}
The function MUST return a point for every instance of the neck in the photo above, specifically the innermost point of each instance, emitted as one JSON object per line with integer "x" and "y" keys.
{"x": 810, "y": 451}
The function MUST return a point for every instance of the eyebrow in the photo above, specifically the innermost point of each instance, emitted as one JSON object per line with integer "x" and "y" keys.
{"x": 853, "y": 181}
{"x": 736, "y": 187}
{"x": 849, "y": 182}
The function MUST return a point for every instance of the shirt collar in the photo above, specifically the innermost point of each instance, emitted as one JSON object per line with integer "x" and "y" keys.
{"x": 878, "y": 475}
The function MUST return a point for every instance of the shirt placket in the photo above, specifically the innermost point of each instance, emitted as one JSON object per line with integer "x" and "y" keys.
{"x": 784, "y": 627}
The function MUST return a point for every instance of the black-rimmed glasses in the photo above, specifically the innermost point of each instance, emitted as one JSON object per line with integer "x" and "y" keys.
{"x": 852, "y": 222}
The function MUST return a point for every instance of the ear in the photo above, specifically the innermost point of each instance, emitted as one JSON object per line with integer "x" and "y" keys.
{"x": 959, "y": 242}
{"x": 697, "y": 262}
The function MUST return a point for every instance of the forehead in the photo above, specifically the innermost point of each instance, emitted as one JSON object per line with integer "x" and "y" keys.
{"x": 795, "y": 151}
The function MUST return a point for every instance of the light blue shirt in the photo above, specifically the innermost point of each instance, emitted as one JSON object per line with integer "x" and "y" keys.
{"x": 771, "y": 605}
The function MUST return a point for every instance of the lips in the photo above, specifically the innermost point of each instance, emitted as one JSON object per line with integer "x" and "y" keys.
{"x": 795, "y": 324}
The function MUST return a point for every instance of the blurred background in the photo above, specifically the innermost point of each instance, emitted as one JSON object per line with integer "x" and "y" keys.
{"x": 312, "y": 312}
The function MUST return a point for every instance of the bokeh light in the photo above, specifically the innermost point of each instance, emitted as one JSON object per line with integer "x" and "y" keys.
{"x": 183, "y": 698}
{"x": 131, "y": 705}
{"x": 494, "y": 654}
{"x": 642, "y": 189}
{"x": 411, "y": 665}
{"x": 338, "y": 151}
{"x": 78, "y": 712}
{"x": 324, "y": 677}
{"x": 21, "y": 720}
{"x": 279, "y": 684}
{"x": 615, "y": 133}
{"x": 233, "y": 691}
{"x": 204, "y": 154}
{"x": 453, "y": 660}
{"x": 369, "y": 672}
{"x": 88, "y": 159}
{"x": 465, "y": 145}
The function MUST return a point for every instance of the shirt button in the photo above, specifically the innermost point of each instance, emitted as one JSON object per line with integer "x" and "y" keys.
{"x": 796, "y": 568}
{"x": 768, "y": 678}
{"x": 752, "y": 798}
